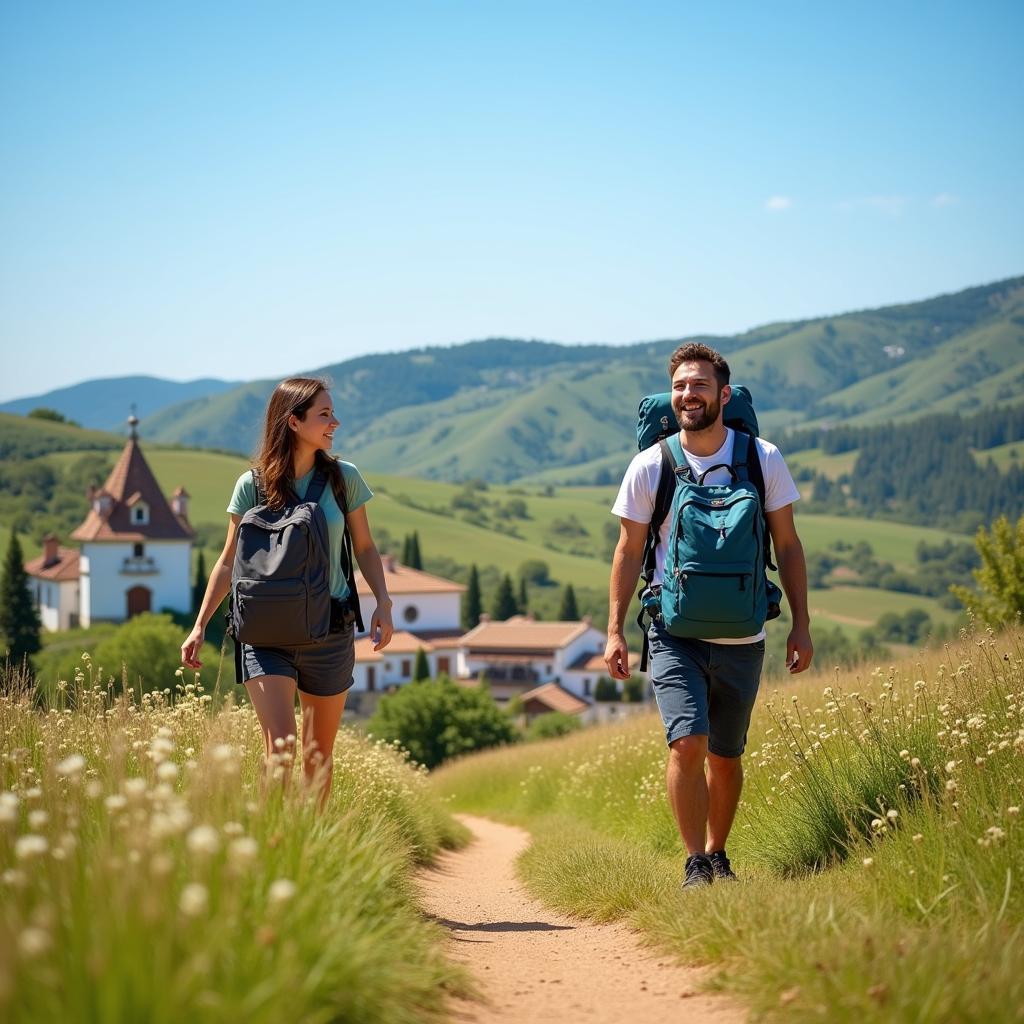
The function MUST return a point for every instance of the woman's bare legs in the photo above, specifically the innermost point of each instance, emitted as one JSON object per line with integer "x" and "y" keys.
{"x": 321, "y": 717}
{"x": 273, "y": 697}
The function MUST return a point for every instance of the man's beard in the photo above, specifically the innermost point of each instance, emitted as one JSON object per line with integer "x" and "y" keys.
{"x": 703, "y": 419}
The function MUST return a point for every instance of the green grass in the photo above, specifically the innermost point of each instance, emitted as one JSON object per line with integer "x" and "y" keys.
{"x": 1004, "y": 456}
{"x": 160, "y": 886}
{"x": 861, "y": 606}
{"x": 879, "y": 836}
{"x": 831, "y": 466}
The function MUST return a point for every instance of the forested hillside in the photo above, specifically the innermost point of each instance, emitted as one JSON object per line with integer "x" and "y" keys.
{"x": 503, "y": 409}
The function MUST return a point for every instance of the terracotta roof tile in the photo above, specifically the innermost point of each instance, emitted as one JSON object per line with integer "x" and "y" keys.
{"x": 557, "y": 698}
{"x": 65, "y": 568}
{"x": 400, "y": 579}
{"x": 132, "y": 480}
{"x": 401, "y": 643}
{"x": 522, "y": 634}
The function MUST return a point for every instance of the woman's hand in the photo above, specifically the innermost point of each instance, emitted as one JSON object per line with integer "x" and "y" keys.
{"x": 191, "y": 647}
{"x": 381, "y": 627}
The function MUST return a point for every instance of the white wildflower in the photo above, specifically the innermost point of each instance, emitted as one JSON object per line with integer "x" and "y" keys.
{"x": 167, "y": 772}
{"x": 70, "y": 766}
{"x": 26, "y": 847}
{"x": 33, "y": 942}
{"x": 281, "y": 891}
{"x": 194, "y": 899}
{"x": 203, "y": 839}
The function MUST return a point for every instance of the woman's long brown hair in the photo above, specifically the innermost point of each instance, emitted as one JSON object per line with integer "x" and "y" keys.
{"x": 273, "y": 461}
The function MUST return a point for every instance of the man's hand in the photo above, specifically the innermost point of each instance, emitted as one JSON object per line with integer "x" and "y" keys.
{"x": 616, "y": 657}
{"x": 799, "y": 649}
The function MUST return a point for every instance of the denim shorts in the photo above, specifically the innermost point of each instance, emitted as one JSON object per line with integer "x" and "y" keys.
{"x": 321, "y": 670}
{"x": 705, "y": 689}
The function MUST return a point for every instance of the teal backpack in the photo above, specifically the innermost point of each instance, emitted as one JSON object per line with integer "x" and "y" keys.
{"x": 719, "y": 549}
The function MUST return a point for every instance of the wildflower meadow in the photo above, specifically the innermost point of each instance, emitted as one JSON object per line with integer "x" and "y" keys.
{"x": 879, "y": 839}
{"x": 144, "y": 876}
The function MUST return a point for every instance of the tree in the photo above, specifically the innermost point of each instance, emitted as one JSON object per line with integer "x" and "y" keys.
{"x": 504, "y": 600}
{"x": 199, "y": 587}
{"x": 472, "y": 603}
{"x": 43, "y": 413}
{"x": 1000, "y": 578}
{"x": 633, "y": 689}
{"x": 19, "y": 620}
{"x": 415, "y": 558}
{"x": 568, "y": 612}
{"x": 606, "y": 689}
{"x": 421, "y": 670}
{"x": 440, "y": 720}
{"x": 524, "y": 597}
{"x": 535, "y": 571}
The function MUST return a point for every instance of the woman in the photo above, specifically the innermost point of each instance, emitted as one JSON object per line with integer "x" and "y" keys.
{"x": 297, "y": 436}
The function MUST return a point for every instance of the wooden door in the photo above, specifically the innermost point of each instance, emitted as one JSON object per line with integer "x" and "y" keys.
{"x": 139, "y": 600}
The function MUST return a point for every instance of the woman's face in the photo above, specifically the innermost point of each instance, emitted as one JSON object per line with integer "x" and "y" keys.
{"x": 316, "y": 429}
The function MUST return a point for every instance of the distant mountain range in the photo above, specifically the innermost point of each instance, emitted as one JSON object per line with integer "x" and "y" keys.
{"x": 504, "y": 409}
{"x": 106, "y": 404}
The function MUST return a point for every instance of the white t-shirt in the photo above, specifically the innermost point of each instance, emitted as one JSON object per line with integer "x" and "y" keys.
{"x": 635, "y": 500}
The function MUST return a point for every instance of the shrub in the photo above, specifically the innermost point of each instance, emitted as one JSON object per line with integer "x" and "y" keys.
{"x": 438, "y": 720}
{"x": 554, "y": 723}
{"x": 606, "y": 689}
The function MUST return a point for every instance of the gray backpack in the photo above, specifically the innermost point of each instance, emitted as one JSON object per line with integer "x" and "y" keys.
{"x": 281, "y": 575}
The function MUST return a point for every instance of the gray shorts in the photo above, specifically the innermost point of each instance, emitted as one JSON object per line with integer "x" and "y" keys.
{"x": 705, "y": 689}
{"x": 321, "y": 670}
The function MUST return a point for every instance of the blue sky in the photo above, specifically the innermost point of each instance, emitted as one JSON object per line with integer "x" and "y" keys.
{"x": 250, "y": 190}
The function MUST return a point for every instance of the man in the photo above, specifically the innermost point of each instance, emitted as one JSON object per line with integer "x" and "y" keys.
{"x": 705, "y": 688}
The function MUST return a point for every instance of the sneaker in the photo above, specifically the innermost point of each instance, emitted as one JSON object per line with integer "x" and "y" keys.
{"x": 721, "y": 867}
{"x": 699, "y": 871}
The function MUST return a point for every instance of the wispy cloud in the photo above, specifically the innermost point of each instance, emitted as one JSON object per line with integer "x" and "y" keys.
{"x": 776, "y": 204}
{"x": 945, "y": 199}
{"x": 891, "y": 205}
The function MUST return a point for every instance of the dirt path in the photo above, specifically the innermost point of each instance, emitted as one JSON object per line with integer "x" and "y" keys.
{"x": 532, "y": 964}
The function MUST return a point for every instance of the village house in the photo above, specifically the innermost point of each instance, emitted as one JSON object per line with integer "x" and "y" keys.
{"x": 426, "y": 611}
{"x": 135, "y": 555}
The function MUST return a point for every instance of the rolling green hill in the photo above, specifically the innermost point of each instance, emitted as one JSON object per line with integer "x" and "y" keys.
{"x": 504, "y": 410}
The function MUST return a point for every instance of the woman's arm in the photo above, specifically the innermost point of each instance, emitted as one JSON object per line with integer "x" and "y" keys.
{"x": 368, "y": 557}
{"x": 217, "y": 588}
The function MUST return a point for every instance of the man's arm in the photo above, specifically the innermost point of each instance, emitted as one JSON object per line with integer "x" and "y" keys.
{"x": 626, "y": 565}
{"x": 789, "y": 553}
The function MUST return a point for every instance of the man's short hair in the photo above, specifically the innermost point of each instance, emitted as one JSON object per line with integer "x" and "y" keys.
{"x": 693, "y": 351}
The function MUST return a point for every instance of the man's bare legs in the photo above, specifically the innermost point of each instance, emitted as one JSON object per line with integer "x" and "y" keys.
{"x": 703, "y": 791}
{"x": 724, "y": 782}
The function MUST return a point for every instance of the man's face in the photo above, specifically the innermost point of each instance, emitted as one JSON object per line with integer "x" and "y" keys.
{"x": 697, "y": 399}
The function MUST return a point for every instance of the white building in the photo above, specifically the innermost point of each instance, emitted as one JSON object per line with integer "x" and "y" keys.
{"x": 520, "y": 654}
{"x": 136, "y": 553}
{"x": 426, "y": 611}
{"x": 54, "y": 585}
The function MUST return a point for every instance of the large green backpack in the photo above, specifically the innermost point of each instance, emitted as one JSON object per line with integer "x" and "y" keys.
{"x": 715, "y": 582}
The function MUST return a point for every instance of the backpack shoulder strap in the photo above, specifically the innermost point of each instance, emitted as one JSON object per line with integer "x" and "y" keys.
{"x": 755, "y": 474}
{"x": 662, "y": 503}
{"x": 347, "y": 558}
{"x": 261, "y": 494}
{"x": 316, "y": 486}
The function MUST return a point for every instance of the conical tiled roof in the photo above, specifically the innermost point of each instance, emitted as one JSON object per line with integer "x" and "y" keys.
{"x": 131, "y": 480}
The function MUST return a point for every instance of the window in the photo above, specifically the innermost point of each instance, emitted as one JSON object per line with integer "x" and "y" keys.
{"x": 406, "y": 668}
{"x": 444, "y": 666}
{"x": 140, "y": 513}
{"x": 586, "y": 687}
{"x": 411, "y": 614}
{"x": 371, "y": 678}
{"x": 138, "y": 550}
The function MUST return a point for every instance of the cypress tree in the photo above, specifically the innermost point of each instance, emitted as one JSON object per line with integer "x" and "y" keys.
{"x": 568, "y": 612}
{"x": 504, "y": 600}
{"x": 199, "y": 588}
{"x": 19, "y": 620}
{"x": 415, "y": 560}
{"x": 421, "y": 670}
{"x": 524, "y": 597}
{"x": 472, "y": 603}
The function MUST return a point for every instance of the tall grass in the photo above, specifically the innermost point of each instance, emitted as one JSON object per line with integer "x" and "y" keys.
{"x": 143, "y": 877}
{"x": 879, "y": 838}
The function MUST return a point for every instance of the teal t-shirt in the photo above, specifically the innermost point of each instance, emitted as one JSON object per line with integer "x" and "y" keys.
{"x": 357, "y": 494}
